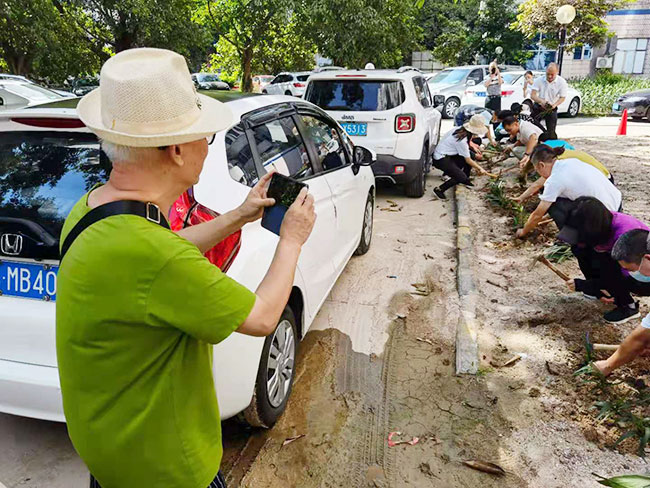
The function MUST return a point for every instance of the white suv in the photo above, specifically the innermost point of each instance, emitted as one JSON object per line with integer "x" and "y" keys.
{"x": 389, "y": 111}
{"x": 288, "y": 84}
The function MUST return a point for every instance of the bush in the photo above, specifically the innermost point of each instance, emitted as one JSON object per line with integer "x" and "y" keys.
{"x": 600, "y": 93}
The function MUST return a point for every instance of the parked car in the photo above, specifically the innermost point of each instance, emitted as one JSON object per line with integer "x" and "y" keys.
{"x": 81, "y": 86}
{"x": 512, "y": 91}
{"x": 18, "y": 94}
{"x": 209, "y": 81}
{"x": 7, "y": 76}
{"x": 49, "y": 159}
{"x": 452, "y": 82}
{"x": 260, "y": 82}
{"x": 636, "y": 102}
{"x": 293, "y": 84}
{"x": 390, "y": 111}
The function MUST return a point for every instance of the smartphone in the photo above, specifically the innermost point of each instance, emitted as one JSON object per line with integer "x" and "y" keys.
{"x": 284, "y": 190}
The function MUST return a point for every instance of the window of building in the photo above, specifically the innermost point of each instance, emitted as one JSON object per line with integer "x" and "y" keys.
{"x": 630, "y": 56}
{"x": 582, "y": 52}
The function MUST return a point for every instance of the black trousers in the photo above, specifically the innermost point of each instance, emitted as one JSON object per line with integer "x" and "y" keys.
{"x": 493, "y": 102}
{"x": 218, "y": 482}
{"x": 549, "y": 119}
{"x": 456, "y": 168}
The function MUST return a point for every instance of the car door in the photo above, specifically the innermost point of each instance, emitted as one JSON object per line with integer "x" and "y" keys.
{"x": 274, "y": 87}
{"x": 430, "y": 118}
{"x": 280, "y": 147}
{"x": 334, "y": 156}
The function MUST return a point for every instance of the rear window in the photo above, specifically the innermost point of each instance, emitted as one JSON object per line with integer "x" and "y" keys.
{"x": 356, "y": 95}
{"x": 42, "y": 176}
{"x": 302, "y": 77}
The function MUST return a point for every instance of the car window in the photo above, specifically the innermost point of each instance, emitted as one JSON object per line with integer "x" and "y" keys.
{"x": 329, "y": 142}
{"x": 422, "y": 91}
{"x": 276, "y": 80}
{"x": 303, "y": 77}
{"x": 42, "y": 176}
{"x": 355, "y": 95}
{"x": 476, "y": 75}
{"x": 450, "y": 76}
{"x": 282, "y": 149}
{"x": 240, "y": 158}
{"x": 512, "y": 78}
{"x": 32, "y": 92}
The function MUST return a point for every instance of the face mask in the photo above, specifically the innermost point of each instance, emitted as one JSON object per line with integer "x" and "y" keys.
{"x": 637, "y": 275}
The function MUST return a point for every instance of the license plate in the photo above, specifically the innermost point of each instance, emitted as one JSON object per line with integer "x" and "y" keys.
{"x": 616, "y": 106}
{"x": 356, "y": 128}
{"x": 28, "y": 280}
{"x": 480, "y": 94}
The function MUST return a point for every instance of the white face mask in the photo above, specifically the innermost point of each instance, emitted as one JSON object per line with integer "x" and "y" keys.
{"x": 637, "y": 275}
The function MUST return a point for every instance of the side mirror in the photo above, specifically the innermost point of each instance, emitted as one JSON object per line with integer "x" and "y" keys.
{"x": 363, "y": 156}
{"x": 438, "y": 100}
{"x": 470, "y": 83}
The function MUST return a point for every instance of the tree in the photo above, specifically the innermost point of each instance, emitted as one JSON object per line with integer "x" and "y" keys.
{"x": 355, "y": 32}
{"x": 589, "y": 27}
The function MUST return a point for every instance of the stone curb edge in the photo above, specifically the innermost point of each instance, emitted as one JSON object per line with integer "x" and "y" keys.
{"x": 467, "y": 355}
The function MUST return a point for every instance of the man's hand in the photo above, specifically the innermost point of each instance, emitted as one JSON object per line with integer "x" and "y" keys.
{"x": 299, "y": 220}
{"x": 520, "y": 234}
{"x": 603, "y": 367}
{"x": 606, "y": 298}
{"x": 524, "y": 161}
{"x": 571, "y": 285}
{"x": 520, "y": 199}
{"x": 253, "y": 207}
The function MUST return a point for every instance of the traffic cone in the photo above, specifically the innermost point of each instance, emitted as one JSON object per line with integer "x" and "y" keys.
{"x": 622, "y": 127}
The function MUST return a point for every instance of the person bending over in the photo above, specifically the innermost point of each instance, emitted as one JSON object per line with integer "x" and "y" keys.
{"x": 526, "y": 135}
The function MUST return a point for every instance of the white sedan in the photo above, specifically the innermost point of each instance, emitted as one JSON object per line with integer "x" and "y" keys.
{"x": 512, "y": 91}
{"x": 48, "y": 160}
{"x": 16, "y": 93}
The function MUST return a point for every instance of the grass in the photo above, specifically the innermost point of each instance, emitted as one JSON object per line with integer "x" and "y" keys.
{"x": 600, "y": 93}
{"x": 497, "y": 196}
{"x": 559, "y": 252}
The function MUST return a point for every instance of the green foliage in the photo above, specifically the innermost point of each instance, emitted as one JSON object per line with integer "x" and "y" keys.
{"x": 629, "y": 481}
{"x": 559, "y": 252}
{"x": 497, "y": 196}
{"x": 589, "y": 27}
{"x": 599, "y": 93}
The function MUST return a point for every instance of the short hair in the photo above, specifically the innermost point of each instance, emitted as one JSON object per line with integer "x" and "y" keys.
{"x": 545, "y": 154}
{"x": 503, "y": 114}
{"x": 516, "y": 108}
{"x": 509, "y": 120}
{"x": 592, "y": 220}
{"x": 632, "y": 246}
{"x": 529, "y": 72}
{"x": 554, "y": 66}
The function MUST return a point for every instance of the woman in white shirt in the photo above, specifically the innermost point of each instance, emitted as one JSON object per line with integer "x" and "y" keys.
{"x": 493, "y": 85}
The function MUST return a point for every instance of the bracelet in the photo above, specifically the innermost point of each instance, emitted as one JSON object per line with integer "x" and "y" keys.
{"x": 526, "y": 154}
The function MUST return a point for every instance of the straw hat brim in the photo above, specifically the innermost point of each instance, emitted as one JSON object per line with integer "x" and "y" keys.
{"x": 215, "y": 116}
{"x": 479, "y": 131}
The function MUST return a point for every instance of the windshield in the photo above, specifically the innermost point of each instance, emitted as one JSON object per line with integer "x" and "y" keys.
{"x": 302, "y": 77}
{"x": 450, "y": 76}
{"x": 32, "y": 92}
{"x": 356, "y": 95}
{"x": 86, "y": 82}
{"x": 510, "y": 78}
{"x": 209, "y": 78}
{"x": 42, "y": 176}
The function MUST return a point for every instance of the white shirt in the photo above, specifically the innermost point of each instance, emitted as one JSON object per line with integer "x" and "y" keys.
{"x": 646, "y": 322}
{"x": 550, "y": 92}
{"x": 450, "y": 146}
{"x": 527, "y": 129}
{"x": 572, "y": 178}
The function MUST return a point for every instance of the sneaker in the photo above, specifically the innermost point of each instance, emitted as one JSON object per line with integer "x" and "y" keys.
{"x": 437, "y": 192}
{"x": 469, "y": 184}
{"x": 620, "y": 315}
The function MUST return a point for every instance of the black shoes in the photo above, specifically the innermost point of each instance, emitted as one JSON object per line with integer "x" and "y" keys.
{"x": 437, "y": 192}
{"x": 620, "y": 315}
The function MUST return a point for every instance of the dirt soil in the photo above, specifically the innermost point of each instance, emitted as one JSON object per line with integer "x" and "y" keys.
{"x": 380, "y": 359}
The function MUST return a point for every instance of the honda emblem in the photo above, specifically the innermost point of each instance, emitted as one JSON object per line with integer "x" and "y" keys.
{"x": 11, "y": 244}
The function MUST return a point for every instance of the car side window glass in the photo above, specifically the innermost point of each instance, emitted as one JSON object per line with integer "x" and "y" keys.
{"x": 476, "y": 75}
{"x": 329, "y": 142}
{"x": 240, "y": 158}
{"x": 421, "y": 91}
{"x": 282, "y": 149}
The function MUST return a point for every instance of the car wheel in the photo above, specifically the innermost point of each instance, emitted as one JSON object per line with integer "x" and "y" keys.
{"x": 451, "y": 105}
{"x": 416, "y": 187}
{"x": 264, "y": 92}
{"x": 366, "y": 229}
{"x": 574, "y": 107}
{"x": 275, "y": 374}
{"x": 288, "y": 93}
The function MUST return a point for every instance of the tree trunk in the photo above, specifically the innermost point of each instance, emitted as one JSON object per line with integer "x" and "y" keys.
{"x": 246, "y": 78}
{"x": 18, "y": 63}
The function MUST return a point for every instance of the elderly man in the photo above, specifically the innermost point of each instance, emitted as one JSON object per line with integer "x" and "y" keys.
{"x": 138, "y": 306}
{"x": 548, "y": 93}
{"x": 632, "y": 251}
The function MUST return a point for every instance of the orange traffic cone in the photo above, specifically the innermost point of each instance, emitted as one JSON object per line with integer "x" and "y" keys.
{"x": 622, "y": 127}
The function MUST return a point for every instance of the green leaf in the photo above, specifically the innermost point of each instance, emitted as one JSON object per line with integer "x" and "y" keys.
{"x": 629, "y": 481}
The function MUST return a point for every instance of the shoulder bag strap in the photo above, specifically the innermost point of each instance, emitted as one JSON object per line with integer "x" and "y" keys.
{"x": 149, "y": 211}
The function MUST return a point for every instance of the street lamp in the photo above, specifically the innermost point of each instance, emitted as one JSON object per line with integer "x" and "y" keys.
{"x": 565, "y": 15}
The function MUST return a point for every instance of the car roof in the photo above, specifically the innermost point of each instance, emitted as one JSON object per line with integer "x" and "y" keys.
{"x": 14, "y": 82}
{"x": 372, "y": 74}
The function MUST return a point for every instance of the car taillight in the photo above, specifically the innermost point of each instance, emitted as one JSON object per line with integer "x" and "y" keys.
{"x": 507, "y": 93}
{"x": 49, "y": 122}
{"x": 405, "y": 123}
{"x": 299, "y": 85}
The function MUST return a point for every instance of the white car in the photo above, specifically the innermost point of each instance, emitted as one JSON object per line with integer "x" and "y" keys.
{"x": 389, "y": 111}
{"x": 512, "y": 91}
{"x": 50, "y": 160}
{"x": 293, "y": 84}
{"x": 18, "y": 94}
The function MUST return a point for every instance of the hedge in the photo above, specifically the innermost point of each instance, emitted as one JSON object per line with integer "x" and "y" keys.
{"x": 600, "y": 93}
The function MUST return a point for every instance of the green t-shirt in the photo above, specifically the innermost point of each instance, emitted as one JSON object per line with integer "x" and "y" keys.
{"x": 138, "y": 309}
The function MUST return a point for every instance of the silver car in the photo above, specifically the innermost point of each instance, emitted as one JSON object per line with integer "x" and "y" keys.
{"x": 209, "y": 81}
{"x": 452, "y": 82}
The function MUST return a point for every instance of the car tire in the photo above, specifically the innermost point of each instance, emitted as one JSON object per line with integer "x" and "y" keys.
{"x": 366, "y": 227}
{"x": 267, "y": 407}
{"x": 450, "y": 107}
{"x": 416, "y": 187}
{"x": 288, "y": 93}
{"x": 264, "y": 92}
{"x": 574, "y": 107}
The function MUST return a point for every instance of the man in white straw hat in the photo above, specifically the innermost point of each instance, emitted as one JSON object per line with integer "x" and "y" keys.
{"x": 452, "y": 155}
{"x": 138, "y": 306}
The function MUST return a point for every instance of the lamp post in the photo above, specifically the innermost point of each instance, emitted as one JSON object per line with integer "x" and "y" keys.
{"x": 565, "y": 15}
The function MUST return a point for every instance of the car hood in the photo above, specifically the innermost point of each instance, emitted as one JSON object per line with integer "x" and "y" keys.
{"x": 636, "y": 93}
{"x": 440, "y": 87}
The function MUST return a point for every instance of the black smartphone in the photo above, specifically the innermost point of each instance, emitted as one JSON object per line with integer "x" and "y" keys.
{"x": 284, "y": 190}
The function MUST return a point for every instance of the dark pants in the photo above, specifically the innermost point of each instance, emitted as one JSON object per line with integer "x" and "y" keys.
{"x": 456, "y": 168}
{"x": 493, "y": 103}
{"x": 560, "y": 210}
{"x": 549, "y": 119}
{"x": 218, "y": 482}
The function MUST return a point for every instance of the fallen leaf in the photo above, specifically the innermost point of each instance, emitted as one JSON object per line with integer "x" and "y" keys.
{"x": 400, "y": 240}
{"x": 392, "y": 203}
{"x": 628, "y": 481}
{"x": 289, "y": 440}
{"x": 422, "y": 339}
{"x": 392, "y": 443}
{"x": 511, "y": 361}
{"x": 486, "y": 467}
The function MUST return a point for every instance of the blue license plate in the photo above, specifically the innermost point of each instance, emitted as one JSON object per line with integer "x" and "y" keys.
{"x": 616, "y": 106}
{"x": 480, "y": 94}
{"x": 356, "y": 128}
{"x": 28, "y": 280}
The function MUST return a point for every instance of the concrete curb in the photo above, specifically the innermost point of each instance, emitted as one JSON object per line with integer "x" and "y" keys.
{"x": 467, "y": 355}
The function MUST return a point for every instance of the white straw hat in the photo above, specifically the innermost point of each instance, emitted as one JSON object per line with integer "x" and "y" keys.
{"x": 146, "y": 98}
{"x": 476, "y": 125}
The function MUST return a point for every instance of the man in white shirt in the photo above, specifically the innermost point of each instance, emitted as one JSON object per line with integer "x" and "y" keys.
{"x": 548, "y": 94}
